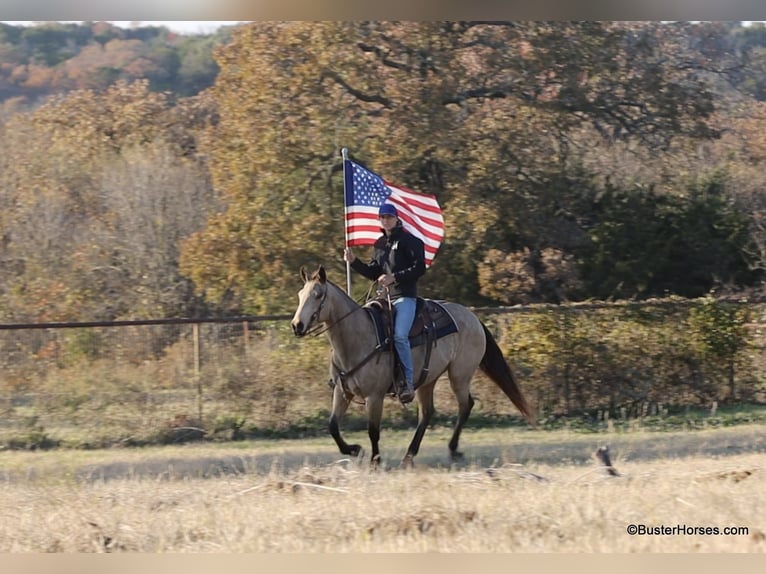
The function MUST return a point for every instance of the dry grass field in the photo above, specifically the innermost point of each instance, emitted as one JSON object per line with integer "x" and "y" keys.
{"x": 517, "y": 491}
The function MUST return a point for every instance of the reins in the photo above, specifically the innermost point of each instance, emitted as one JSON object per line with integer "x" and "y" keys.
{"x": 344, "y": 375}
{"x": 319, "y": 330}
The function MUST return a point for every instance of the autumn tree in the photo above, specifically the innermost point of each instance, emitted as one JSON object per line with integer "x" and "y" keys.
{"x": 561, "y": 153}
{"x": 499, "y": 120}
{"x": 53, "y": 57}
{"x": 272, "y": 161}
{"x": 99, "y": 189}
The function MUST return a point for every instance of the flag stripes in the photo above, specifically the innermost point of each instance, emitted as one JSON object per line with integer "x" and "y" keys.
{"x": 366, "y": 192}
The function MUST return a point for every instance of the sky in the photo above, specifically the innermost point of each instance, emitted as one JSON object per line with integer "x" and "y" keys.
{"x": 180, "y": 27}
{"x": 311, "y": 10}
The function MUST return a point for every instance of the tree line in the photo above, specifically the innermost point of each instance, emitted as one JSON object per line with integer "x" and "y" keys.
{"x": 572, "y": 160}
{"x": 57, "y": 57}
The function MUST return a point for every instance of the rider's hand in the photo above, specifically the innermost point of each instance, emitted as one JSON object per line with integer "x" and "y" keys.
{"x": 386, "y": 279}
{"x": 348, "y": 255}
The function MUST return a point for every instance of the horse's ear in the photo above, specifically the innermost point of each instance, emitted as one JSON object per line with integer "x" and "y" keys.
{"x": 321, "y": 274}
{"x": 304, "y": 275}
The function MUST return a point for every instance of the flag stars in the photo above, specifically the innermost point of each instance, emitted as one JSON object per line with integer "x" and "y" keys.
{"x": 369, "y": 189}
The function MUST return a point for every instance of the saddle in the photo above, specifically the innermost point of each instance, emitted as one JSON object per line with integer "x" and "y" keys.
{"x": 432, "y": 322}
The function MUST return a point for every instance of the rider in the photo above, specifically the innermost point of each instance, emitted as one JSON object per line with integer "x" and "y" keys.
{"x": 398, "y": 261}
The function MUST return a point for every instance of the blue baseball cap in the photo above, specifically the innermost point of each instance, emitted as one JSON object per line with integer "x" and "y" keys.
{"x": 387, "y": 209}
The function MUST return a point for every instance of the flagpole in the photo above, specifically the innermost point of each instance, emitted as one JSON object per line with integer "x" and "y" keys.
{"x": 344, "y": 154}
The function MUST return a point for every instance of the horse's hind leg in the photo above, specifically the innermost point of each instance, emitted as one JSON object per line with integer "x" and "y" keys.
{"x": 339, "y": 406}
{"x": 462, "y": 388}
{"x": 425, "y": 412}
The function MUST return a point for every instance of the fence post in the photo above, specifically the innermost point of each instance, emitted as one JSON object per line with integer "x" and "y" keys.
{"x": 197, "y": 376}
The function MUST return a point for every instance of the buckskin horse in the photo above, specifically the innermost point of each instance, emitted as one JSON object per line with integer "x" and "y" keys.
{"x": 358, "y": 370}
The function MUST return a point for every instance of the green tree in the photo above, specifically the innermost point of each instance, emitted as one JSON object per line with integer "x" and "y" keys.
{"x": 721, "y": 337}
{"x": 645, "y": 244}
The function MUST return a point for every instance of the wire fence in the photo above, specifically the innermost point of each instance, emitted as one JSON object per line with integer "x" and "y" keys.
{"x": 137, "y": 382}
{"x": 137, "y": 379}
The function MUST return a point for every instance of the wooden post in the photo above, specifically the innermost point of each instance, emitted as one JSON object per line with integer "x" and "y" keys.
{"x": 197, "y": 376}
{"x": 246, "y": 337}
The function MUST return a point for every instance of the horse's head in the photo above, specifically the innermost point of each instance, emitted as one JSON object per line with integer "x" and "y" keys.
{"x": 311, "y": 299}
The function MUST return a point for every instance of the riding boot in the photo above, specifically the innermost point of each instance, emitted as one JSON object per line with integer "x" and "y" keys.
{"x": 407, "y": 393}
{"x": 402, "y": 387}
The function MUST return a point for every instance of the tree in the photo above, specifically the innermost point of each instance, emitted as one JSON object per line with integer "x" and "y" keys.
{"x": 272, "y": 159}
{"x": 495, "y": 119}
{"x": 37, "y": 61}
{"x": 570, "y": 148}
{"x": 646, "y": 244}
{"x": 91, "y": 227}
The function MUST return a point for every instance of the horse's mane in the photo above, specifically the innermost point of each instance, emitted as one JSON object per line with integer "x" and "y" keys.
{"x": 341, "y": 292}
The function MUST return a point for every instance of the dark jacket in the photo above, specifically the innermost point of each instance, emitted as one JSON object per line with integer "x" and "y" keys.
{"x": 402, "y": 254}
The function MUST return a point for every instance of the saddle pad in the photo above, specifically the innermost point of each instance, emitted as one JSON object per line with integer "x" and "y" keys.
{"x": 430, "y": 316}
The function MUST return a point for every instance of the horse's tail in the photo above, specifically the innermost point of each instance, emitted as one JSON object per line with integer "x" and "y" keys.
{"x": 495, "y": 367}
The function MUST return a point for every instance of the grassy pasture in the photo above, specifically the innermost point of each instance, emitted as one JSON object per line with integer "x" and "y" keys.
{"x": 517, "y": 491}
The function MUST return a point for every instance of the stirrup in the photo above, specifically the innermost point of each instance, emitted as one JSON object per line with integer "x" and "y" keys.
{"x": 406, "y": 396}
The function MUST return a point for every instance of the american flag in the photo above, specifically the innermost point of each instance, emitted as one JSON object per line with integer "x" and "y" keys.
{"x": 366, "y": 191}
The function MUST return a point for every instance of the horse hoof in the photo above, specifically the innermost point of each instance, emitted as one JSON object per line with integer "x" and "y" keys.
{"x": 375, "y": 461}
{"x": 456, "y": 455}
{"x": 407, "y": 462}
{"x": 355, "y": 450}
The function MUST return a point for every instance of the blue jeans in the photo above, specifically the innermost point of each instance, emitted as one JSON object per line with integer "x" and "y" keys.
{"x": 405, "y": 315}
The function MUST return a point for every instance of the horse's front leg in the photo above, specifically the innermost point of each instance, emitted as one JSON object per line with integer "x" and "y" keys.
{"x": 339, "y": 406}
{"x": 374, "y": 405}
{"x": 426, "y": 410}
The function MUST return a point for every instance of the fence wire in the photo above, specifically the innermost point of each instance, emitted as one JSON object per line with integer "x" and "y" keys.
{"x": 100, "y": 384}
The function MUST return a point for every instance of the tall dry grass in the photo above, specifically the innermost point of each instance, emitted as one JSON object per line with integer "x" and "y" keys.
{"x": 328, "y": 504}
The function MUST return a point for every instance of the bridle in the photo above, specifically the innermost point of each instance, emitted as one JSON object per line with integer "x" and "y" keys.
{"x": 318, "y": 329}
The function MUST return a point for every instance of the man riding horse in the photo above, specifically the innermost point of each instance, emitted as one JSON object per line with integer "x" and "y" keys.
{"x": 398, "y": 261}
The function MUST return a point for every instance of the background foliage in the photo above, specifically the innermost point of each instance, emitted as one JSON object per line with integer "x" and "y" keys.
{"x": 654, "y": 364}
{"x": 57, "y": 57}
{"x": 145, "y": 175}
{"x": 573, "y": 160}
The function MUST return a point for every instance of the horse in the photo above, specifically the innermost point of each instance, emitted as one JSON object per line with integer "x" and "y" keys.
{"x": 323, "y": 306}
